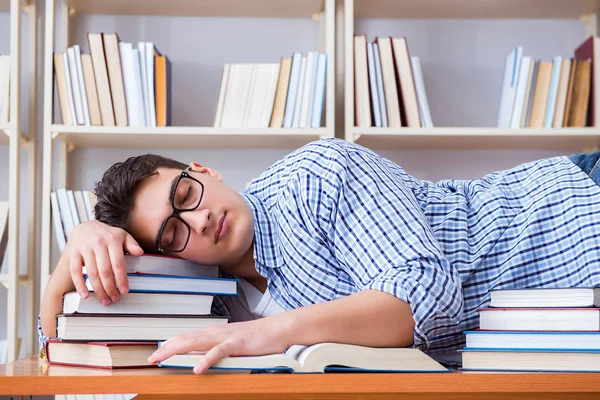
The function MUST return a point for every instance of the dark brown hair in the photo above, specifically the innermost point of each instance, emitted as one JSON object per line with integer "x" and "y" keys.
{"x": 117, "y": 188}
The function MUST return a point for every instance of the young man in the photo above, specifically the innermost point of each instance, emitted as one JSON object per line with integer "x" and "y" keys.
{"x": 342, "y": 245}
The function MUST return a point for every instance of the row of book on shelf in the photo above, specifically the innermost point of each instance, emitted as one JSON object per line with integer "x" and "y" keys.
{"x": 289, "y": 94}
{"x": 389, "y": 86}
{"x": 549, "y": 94}
{"x": 69, "y": 209}
{"x": 4, "y": 89}
{"x": 116, "y": 84}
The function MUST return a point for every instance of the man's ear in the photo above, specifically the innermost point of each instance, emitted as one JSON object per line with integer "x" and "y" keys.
{"x": 197, "y": 167}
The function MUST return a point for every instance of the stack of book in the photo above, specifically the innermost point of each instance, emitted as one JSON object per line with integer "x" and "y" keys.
{"x": 289, "y": 94}
{"x": 537, "y": 330}
{"x": 549, "y": 94}
{"x": 69, "y": 209}
{"x": 115, "y": 84}
{"x": 4, "y": 89}
{"x": 167, "y": 297}
{"x": 389, "y": 87}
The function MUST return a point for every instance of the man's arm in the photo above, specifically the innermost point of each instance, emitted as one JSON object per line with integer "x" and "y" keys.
{"x": 367, "y": 318}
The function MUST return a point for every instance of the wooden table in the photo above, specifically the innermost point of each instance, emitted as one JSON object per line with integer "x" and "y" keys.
{"x": 32, "y": 376}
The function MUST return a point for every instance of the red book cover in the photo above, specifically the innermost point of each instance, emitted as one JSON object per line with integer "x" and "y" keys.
{"x": 585, "y": 51}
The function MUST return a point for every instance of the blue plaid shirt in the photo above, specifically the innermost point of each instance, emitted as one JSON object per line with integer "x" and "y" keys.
{"x": 334, "y": 218}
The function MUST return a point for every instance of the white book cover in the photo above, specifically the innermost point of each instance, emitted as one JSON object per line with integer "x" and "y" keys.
{"x": 290, "y": 104}
{"x": 553, "y": 92}
{"x": 231, "y": 94}
{"x": 138, "y": 87}
{"x": 65, "y": 210}
{"x": 424, "y": 111}
{"x": 299, "y": 93}
{"x": 144, "y": 71}
{"x": 222, "y": 91}
{"x": 73, "y": 208}
{"x": 84, "y": 102}
{"x": 75, "y": 86}
{"x": 243, "y": 94}
{"x": 88, "y": 204}
{"x": 319, "y": 99}
{"x": 126, "y": 55}
{"x": 150, "y": 82}
{"x": 510, "y": 76}
{"x": 373, "y": 85}
{"x": 256, "y": 92}
{"x": 57, "y": 221}
{"x": 69, "y": 88}
{"x": 309, "y": 89}
{"x": 380, "y": 91}
{"x": 521, "y": 91}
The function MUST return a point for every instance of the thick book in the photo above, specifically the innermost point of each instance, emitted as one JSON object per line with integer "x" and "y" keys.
{"x": 532, "y": 340}
{"x": 112, "y": 327}
{"x": 150, "y": 283}
{"x": 141, "y": 303}
{"x": 539, "y": 319}
{"x": 541, "y": 360}
{"x": 322, "y": 357}
{"x": 166, "y": 265}
{"x": 562, "y": 297}
{"x": 106, "y": 355}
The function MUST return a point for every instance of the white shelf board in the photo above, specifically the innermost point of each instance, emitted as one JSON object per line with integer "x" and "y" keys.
{"x": 477, "y": 138}
{"x": 208, "y": 8}
{"x": 571, "y": 9}
{"x": 186, "y": 137}
{"x": 4, "y": 279}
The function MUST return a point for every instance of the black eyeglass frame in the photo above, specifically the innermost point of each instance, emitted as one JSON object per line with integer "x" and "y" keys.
{"x": 176, "y": 212}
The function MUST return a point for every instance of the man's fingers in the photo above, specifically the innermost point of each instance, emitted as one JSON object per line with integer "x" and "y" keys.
{"x": 94, "y": 278}
{"x": 132, "y": 246}
{"x": 117, "y": 259}
{"x": 213, "y": 356}
{"x": 75, "y": 268}
{"x": 105, "y": 271}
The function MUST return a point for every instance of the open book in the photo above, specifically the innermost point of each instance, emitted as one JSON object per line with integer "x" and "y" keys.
{"x": 322, "y": 357}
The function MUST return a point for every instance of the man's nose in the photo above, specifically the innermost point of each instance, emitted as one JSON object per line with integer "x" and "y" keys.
{"x": 199, "y": 220}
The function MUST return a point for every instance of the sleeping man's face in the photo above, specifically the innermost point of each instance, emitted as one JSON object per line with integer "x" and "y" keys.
{"x": 221, "y": 228}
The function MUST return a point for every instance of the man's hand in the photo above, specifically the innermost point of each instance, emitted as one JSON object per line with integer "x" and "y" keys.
{"x": 258, "y": 337}
{"x": 101, "y": 249}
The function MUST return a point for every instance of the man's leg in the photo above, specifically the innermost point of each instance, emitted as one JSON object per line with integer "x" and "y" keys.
{"x": 589, "y": 163}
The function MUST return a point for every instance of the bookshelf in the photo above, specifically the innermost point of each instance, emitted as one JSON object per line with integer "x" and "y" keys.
{"x": 59, "y": 140}
{"x": 463, "y": 137}
{"x": 13, "y": 136}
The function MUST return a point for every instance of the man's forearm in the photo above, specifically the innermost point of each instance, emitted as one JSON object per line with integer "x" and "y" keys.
{"x": 368, "y": 318}
{"x": 60, "y": 283}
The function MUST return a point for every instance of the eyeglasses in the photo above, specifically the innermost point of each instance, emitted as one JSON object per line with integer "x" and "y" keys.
{"x": 186, "y": 195}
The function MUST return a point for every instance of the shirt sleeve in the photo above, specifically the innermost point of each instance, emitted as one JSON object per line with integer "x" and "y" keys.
{"x": 42, "y": 339}
{"x": 381, "y": 238}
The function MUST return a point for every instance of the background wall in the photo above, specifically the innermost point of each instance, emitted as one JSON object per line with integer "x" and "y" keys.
{"x": 462, "y": 63}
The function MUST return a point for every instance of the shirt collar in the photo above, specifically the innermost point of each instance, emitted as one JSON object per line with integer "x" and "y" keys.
{"x": 266, "y": 244}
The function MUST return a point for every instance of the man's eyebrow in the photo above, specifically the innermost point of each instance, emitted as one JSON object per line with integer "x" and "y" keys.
{"x": 171, "y": 190}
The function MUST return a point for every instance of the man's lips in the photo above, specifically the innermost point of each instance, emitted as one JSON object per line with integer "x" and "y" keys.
{"x": 219, "y": 228}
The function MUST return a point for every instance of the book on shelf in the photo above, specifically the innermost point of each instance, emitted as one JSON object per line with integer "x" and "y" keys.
{"x": 549, "y": 93}
{"x": 322, "y": 357}
{"x": 140, "y": 303}
{"x": 3, "y": 230}
{"x": 536, "y": 330}
{"x": 389, "y": 89}
{"x": 116, "y": 84}
{"x": 5, "y": 89}
{"x": 107, "y": 355}
{"x": 69, "y": 209}
{"x": 288, "y": 94}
